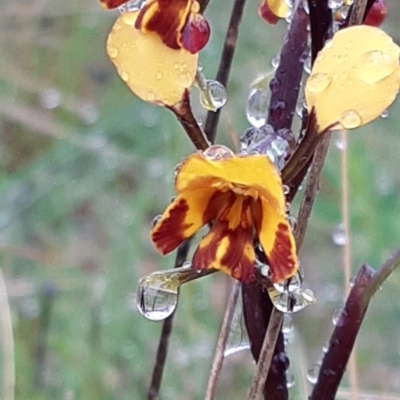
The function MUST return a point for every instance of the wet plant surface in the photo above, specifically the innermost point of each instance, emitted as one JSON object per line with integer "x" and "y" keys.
{"x": 86, "y": 167}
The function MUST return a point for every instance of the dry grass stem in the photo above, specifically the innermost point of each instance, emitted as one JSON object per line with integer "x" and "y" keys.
{"x": 222, "y": 341}
{"x": 7, "y": 342}
{"x": 267, "y": 351}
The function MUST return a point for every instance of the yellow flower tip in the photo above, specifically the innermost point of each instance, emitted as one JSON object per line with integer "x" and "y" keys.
{"x": 238, "y": 195}
{"x": 279, "y": 8}
{"x": 354, "y": 79}
{"x": 154, "y": 72}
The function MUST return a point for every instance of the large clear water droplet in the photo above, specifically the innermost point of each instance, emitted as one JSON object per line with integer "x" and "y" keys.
{"x": 318, "y": 82}
{"x": 218, "y": 152}
{"x": 158, "y": 292}
{"x": 213, "y": 96}
{"x": 312, "y": 373}
{"x": 257, "y": 107}
{"x": 376, "y": 65}
{"x": 156, "y": 304}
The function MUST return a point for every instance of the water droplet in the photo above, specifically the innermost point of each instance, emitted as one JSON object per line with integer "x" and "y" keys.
{"x": 318, "y": 82}
{"x": 177, "y": 168}
{"x": 291, "y": 302}
{"x": 376, "y": 65}
{"x": 325, "y": 347}
{"x": 257, "y": 107}
{"x": 275, "y": 61}
{"x": 155, "y": 220}
{"x": 123, "y": 74}
{"x": 343, "y": 12}
{"x": 159, "y": 75}
{"x": 287, "y": 326}
{"x": 307, "y": 65}
{"x": 301, "y": 106}
{"x": 236, "y": 349}
{"x": 351, "y": 119}
{"x": 341, "y": 142}
{"x": 290, "y": 380}
{"x": 336, "y": 316}
{"x": 185, "y": 79}
{"x": 129, "y": 19}
{"x": 339, "y": 236}
{"x": 213, "y": 96}
{"x": 292, "y": 221}
{"x": 384, "y": 183}
{"x": 218, "y": 152}
{"x": 135, "y": 5}
{"x": 155, "y": 304}
{"x": 312, "y": 373}
{"x": 385, "y": 114}
{"x": 50, "y": 98}
{"x": 334, "y": 4}
{"x": 157, "y": 295}
{"x": 274, "y": 85}
{"x": 112, "y": 51}
{"x": 151, "y": 96}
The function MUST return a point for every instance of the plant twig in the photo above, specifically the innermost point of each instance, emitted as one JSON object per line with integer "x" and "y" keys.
{"x": 357, "y": 12}
{"x": 222, "y": 341}
{"x": 48, "y": 295}
{"x": 311, "y": 189}
{"x": 366, "y": 284}
{"x": 184, "y": 114}
{"x": 7, "y": 342}
{"x": 210, "y": 126}
{"x": 289, "y": 72}
{"x": 320, "y": 25}
{"x": 267, "y": 351}
{"x": 162, "y": 349}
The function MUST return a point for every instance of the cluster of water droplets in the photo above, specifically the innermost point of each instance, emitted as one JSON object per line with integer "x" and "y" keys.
{"x": 288, "y": 296}
{"x": 261, "y": 137}
{"x": 158, "y": 292}
{"x": 264, "y": 140}
{"x": 212, "y": 93}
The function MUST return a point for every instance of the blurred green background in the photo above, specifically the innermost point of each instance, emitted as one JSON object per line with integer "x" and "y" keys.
{"x": 85, "y": 167}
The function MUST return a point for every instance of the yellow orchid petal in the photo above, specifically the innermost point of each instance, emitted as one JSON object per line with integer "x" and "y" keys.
{"x": 153, "y": 71}
{"x": 277, "y": 240}
{"x": 280, "y": 8}
{"x": 182, "y": 218}
{"x": 354, "y": 79}
{"x": 246, "y": 175}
